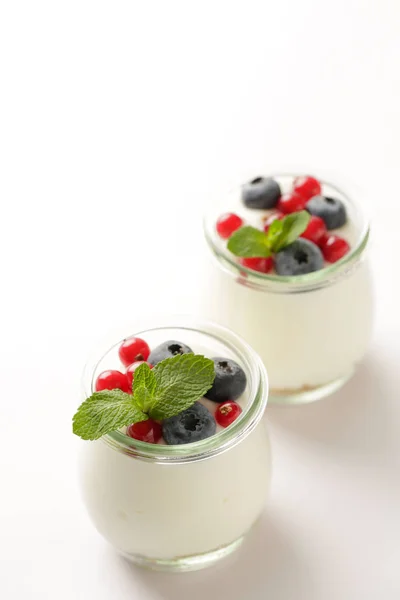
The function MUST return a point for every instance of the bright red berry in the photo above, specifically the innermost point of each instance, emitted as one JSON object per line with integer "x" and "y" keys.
{"x": 226, "y": 413}
{"x": 269, "y": 220}
{"x": 334, "y": 248}
{"x": 112, "y": 380}
{"x": 307, "y": 186}
{"x": 316, "y": 229}
{"x": 132, "y": 350}
{"x": 291, "y": 202}
{"x": 227, "y": 224}
{"x": 145, "y": 431}
{"x": 130, "y": 371}
{"x": 262, "y": 265}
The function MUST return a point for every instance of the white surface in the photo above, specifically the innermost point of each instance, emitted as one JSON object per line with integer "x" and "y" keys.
{"x": 115, "y": 119}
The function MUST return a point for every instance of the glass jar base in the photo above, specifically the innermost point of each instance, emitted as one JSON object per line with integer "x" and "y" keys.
{"x": 307, "y": 394}
{"x": 184, "y": 563}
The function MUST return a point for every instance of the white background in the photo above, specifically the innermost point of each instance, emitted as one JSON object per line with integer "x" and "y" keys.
{"x": 117, "y": 120}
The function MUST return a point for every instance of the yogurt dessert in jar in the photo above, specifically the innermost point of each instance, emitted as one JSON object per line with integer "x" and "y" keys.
{"x": 176, "y": 489}
{"x": 292, "y": 278}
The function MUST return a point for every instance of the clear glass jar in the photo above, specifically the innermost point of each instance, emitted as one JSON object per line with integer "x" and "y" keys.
{"x": 180, "y": 507}
{"x": 311, "y": 331}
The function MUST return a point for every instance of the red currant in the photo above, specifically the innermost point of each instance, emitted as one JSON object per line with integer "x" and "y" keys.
{"x": 262, "y": 265}
{"x": 145, "y": 431}
{"x": 316, "y": 229}
{"x": 226, "y": 413}
{"x": 291, "y": 202}
{"x": 111, "y": 380}
{"x": 227, "y": 224}
{"x": 130, "y": 372}
{"x": 269, "y": 220}
{"x": 334, "y": 248}
{"x": 307, "y": 186}
{"x": 132, "y": 350}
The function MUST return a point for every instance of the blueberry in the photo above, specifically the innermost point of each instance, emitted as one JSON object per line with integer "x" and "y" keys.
{"x": 229, "y": 383}
{"x": 299, "y": 258}
{"x": 261, "y": 192}
{"x": 331, "y": 210}
{"x": 166, "y": 350}
{"x": 193, "y": 424}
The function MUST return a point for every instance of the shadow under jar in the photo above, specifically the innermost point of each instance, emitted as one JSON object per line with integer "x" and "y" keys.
{"x": 181, "y": 507}
{"x": 312, "y": 330}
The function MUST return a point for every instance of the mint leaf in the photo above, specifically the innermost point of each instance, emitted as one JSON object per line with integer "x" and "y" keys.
{"x": 249, "y": 242}
{"x": 292, "y": 227}
{"x": 181, "y": 380}
{"x": 143, "y": 398}
{"x": 144, "y": 376}
{"x": 274, "y": 232}
{"x": 105, "y": 411}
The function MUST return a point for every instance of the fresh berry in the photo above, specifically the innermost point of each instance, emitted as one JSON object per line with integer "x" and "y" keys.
{"x": 334, "y": 248}
{"x": 306, "y": 186}
{"x": 291, "y": 202}
{"x": 299, "y": 258}
{"x": 262, "y": 265}
{"x": 331, "y": 210}
{"x": 192, "y": 425}
{"x": 166, "y": 350}
{"x": 315, "y": 231}
{"x": 269, "y": 220}
{"x": 229, "y": 383}
{"x": 112, "y": 380}
{"x": 132, "y": 350}
{"x": 261, "y": 192}
{"x": 227, "y": 224}
{"x": 130, "y": 371}
{"x": 226, "y": 413}
{"x": 145, "y": 431}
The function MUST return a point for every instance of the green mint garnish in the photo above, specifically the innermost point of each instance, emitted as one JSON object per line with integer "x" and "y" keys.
{"x": 249, "y": 242}
{"x": 172, "y": 386}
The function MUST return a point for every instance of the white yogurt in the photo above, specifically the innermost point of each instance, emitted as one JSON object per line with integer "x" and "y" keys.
{"x": 310, "y": 335}
{"x": 179, "y": 508}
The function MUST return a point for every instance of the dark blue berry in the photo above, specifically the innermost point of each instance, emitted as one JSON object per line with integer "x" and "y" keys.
{"x": 192, "y": 425}
{"x": 261, "y": 192}
{"x": 229, "y": 383}
{"x": 331, "y": 210}
{"x": 299, "y": 258}
{"x": 166, "y": 350}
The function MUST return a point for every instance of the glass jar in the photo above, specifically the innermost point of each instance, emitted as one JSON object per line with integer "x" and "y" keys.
{"x": 311, "y": 331}
{"x": 180, "y": 507}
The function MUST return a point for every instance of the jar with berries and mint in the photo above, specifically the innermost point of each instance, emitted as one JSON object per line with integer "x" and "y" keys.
{"x": 291, "y": 275}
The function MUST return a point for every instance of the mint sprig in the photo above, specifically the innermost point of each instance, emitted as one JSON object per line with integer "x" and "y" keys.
{"x": 249, "y": 242}
{"x": 172, "y": 386}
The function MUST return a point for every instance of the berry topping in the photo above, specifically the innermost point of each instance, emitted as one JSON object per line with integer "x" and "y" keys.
{"x": 306, "y": 186}
{"x": 132, "y": 350}
{"x": 192, "y": 425}
{"x": 331, "y": 210}
{"x": 299, "y": 258}
{"x": 261, "y": 192}
{"x": 334, "y": 248}
{"x": 267, "y": 222}
{"x": 229, "y": 383}
{"x": 262, "y": 265}
{"x": 227, "y": 224}
{"x": 291, "y": 202}
{"x": 112, "y": 380}
{"x": 315, "y": 231}
{"x": 226, "y": 413}
{"x": 130, "y": 371}
{"x": 145, "y": 431}
{"x": 167, "y": 350}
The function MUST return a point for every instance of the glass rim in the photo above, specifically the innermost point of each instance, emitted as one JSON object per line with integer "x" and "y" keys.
{"x": 203, "y": 449}
{"x": 290, "y": 284}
